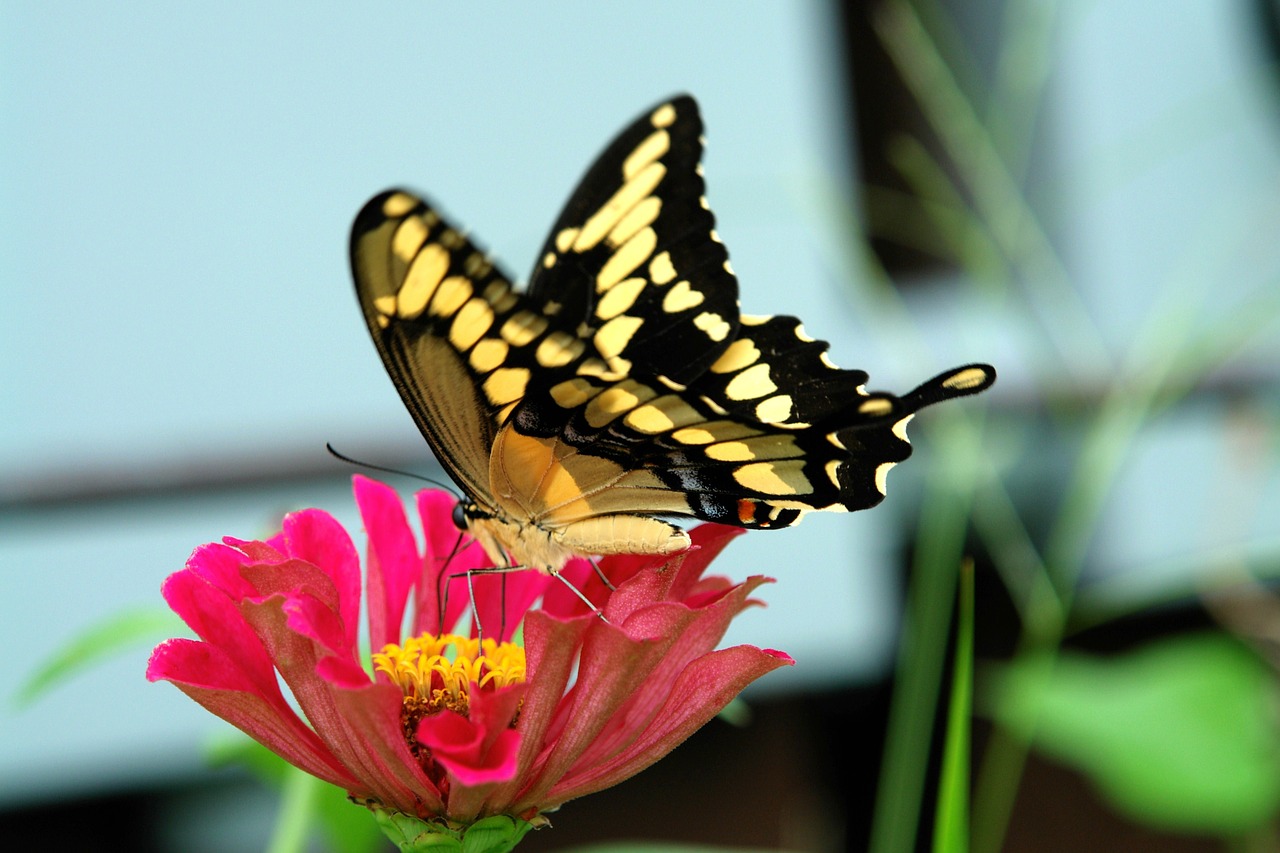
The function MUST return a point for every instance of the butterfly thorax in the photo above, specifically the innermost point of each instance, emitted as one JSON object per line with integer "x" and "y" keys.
{"x": 511, "y": 543}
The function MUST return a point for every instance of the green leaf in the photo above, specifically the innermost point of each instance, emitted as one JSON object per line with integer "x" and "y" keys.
{"x": 97, "y": 643}
{"x": 1180, "y": 734}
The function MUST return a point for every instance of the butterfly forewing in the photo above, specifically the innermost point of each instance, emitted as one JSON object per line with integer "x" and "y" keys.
{"x": 633, "y": 262}
{"x": 459, "y": 343}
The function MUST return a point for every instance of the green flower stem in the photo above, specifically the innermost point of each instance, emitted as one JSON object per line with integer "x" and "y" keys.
{"x": 297, "y": 812}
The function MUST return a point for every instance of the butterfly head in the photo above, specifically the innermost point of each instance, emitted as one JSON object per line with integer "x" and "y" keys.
{"x": 465, "y": 512}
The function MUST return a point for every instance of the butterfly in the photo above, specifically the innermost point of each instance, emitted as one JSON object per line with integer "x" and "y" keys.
{"x": 623, "y": 388}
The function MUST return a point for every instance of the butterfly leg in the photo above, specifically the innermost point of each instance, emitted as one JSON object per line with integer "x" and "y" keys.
{"x": 600, "y": 574}
{"x": 596, "y": 610}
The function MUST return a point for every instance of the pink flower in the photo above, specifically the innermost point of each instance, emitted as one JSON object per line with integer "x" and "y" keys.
{"x": 448, "y": 728}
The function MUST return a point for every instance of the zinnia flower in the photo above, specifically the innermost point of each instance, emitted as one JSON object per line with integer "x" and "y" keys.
{"x": 450, "y": 729}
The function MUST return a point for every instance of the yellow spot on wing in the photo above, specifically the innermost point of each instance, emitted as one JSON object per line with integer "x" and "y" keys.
{"x": 470, "y": 324}
{"x": 627, "y": 196}
{"x": 774, "y": 410}
{"x": 488, "y": 354}
{"x": 968, "y": 378}
{"x": 900, "y": 428}
{"x": 654, "y": 146}
{"x": 661, "y": 270}
{"x": 398, "y": 204}
{"x": 751, "y": 383}
{"x": 640, "y": 216}
{"x": 612, "y": 338}
{"x": 716, "y": 327}
{"x": 875, "y": 406}
{"x": 558, "y": 349}
{"x": 882, "y": 475}
{"x": 663, "y": 116}
{"x": 736, "y": 356}
{"x": 421, "y": 280}
{"x": 626, "y": 258}
{"x": 619, "y": 298}
{"x": 833, "y": 472}
{"x": 612, "y": 402}
{"x": 450, "y": 295}
{"x": 523, "y": 327}
{"x": 506, "y": 384}
{"x": 713, "y": 431}
{"x": 774, "y": 478}
{"x": 408, "y": 239}
{"x": 681, "y": 297}
{"x": 573, "y": 392}
{"x": 758, "y": 447}
{"x": 663, "y": 414}
{"x": 730, "y": 451}
{"x": 565, "y": 239}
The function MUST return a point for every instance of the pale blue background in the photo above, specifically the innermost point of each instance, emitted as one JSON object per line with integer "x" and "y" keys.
{"x": 178, "y": 181}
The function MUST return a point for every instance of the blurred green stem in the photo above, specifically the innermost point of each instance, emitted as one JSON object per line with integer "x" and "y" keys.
{"x": 297, "y": 810}
{"x": 951, "y": 820}
{"x": 922, "y": 650}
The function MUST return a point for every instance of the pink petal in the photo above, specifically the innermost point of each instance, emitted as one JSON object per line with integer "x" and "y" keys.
{"x": 695, "y": 633}
{"x": 611, "y": 667}
{"x": 317, "y": 538}
{"x": 216, "y": 619}
{"x": 456, "y": 743}
{"x": 393, "y": 559}
{"x": 481, "y": 755}
{"x": 706, "y": 686}
{"x": 213, "y": 679}
{"x": 551, "y": 650}
{"x": 373, "y": 745}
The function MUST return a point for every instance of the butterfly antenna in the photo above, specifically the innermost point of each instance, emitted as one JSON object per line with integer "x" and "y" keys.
{"x": 437, "y": 483}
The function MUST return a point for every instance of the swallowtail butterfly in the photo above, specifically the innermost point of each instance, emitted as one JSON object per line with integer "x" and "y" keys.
{"x": 623, "y": 387}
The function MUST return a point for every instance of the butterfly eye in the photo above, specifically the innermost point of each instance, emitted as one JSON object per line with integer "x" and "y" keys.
{"x": 460, "y": 516}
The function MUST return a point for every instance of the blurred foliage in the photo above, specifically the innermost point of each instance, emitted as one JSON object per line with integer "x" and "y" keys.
{"x": 92, "y": 646}
{"x": 1182, "y": 734}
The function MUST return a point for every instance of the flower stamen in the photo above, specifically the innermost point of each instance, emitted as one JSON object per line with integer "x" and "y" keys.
{"x": 438, "y": 672}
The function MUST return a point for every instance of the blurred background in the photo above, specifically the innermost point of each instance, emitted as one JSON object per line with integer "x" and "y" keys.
{"x": 1083, "y": 194}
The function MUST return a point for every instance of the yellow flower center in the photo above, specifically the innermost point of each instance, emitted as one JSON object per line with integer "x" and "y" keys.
{"x": 440, "y": 672}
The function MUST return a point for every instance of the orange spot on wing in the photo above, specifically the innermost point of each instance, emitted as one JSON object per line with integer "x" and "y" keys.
{"x": 746, "y": 510}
